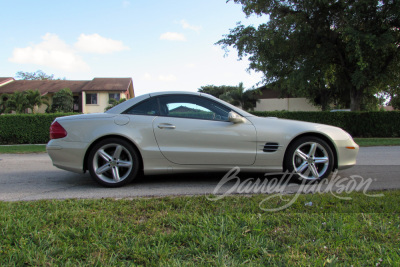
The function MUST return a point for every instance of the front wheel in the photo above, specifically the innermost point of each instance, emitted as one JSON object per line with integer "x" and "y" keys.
{"x": 309, "y": 158}
{"x": 113, "y": 162}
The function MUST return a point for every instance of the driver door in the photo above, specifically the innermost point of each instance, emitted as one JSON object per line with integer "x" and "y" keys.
{"x": 195, "y": 130}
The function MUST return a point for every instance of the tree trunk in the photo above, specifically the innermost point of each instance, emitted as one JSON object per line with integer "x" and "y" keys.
{"x": 355, "y": 99}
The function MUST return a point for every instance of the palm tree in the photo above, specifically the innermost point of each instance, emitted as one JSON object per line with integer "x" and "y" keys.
{"x": 17, "y": 102}
{"x": 245, "y": 99}
{"x": 35, "y": 99}
{"x": 3, "y": 102}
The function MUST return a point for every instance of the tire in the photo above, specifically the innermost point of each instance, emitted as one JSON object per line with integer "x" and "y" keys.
{"x": 309, "y": 158}
{"x": 113, "y": 162}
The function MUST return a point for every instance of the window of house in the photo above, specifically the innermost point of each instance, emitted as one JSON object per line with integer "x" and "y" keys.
{"x": 113, "y": 96}
{"x": 91, "y": 98}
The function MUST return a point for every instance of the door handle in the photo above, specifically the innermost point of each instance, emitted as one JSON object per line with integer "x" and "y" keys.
{"x": 166, "y": 126}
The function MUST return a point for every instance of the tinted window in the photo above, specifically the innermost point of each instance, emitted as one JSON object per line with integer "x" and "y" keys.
{"x": 146, "y": 107}
{"x": 91, "y": 99}
{"x": 113, "y": 96}
{"x": 194, "y": 107}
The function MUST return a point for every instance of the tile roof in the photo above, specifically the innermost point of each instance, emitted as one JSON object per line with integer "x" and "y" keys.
{"x": 108, "y": 84}
{"x": 5, "y": 79}
{"x": 52, "y": 86}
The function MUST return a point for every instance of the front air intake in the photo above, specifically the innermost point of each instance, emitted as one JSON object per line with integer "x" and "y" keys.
{"x": 271, "y": 147}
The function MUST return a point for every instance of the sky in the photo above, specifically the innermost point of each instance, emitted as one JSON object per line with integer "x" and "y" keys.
{"x": 163, "y": 45}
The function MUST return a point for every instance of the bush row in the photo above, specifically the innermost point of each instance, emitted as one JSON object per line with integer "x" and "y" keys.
{"x": 358, "y": 124}
{"x": 27, "y": 128}
{"x": 34, "y": 128}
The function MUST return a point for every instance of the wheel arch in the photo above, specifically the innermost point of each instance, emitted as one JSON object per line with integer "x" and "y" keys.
{"x": 85, "y": 159}
{"x": 314, "y": 134}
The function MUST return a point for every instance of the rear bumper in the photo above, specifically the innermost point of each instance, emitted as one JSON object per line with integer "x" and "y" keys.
{"x": 67, "y": 155}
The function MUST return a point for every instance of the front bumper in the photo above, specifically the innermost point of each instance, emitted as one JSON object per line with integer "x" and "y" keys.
{"x": 347, "y": 151}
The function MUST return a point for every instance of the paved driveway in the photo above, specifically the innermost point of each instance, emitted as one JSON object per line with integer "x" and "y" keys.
{"x": 32, "y": 177}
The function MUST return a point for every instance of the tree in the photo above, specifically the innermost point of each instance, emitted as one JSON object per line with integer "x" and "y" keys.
{"x": 245, "y": 99}
{"x": 334, "y": 51}
{"x": 114, "y": 102}
{"x": 395, "y": 102}
{"x": 37, "y": 75}
{"x": 35, "y": 99}
{"x": 3, "y": 102}
{"x": 17, "y": 102}
{"x": 63, "y": 101}
{"x": 394, "y": 96}
{"x": 216, "y": 91}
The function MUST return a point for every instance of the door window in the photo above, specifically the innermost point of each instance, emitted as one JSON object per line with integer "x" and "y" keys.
{"x": 194, "y": 107}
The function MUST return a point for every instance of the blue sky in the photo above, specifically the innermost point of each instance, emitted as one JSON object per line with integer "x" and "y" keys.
{"x": 162, "y": 45}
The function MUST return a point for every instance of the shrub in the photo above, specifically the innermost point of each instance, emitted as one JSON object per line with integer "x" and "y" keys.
{"x": 27, "y": 128}
{"x": 34, "y": 128}
{"x": 63, "y": 101}
{"x": 358, "y": 124}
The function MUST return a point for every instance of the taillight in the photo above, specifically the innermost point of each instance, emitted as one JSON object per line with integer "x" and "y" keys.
{"x": 57, "y": 131}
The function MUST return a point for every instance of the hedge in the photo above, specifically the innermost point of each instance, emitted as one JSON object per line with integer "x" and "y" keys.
{"x": 27, "y": 128}
{"x": 34, "y": 128}
{"x": 358, "y": 124}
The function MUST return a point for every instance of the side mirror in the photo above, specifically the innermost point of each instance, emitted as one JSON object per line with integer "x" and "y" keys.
{"x": 235, "y": 118}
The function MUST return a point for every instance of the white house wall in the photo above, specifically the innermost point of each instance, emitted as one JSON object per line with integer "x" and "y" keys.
{"x": 102, "y": 102}
{"x": 289, "y": 104}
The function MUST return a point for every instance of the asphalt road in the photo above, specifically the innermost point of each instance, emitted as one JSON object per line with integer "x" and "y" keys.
{"x": 33, "y": 177}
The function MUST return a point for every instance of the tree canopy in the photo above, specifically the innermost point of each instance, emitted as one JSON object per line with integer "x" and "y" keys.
{"x": 63, "y": 101}
{"x": 216, "y": 91}
{"x": 235, "y": 95}
{"x": 37, "y": 75}
{"x": 21, "y": 101}
{"x": 328, "y": 51}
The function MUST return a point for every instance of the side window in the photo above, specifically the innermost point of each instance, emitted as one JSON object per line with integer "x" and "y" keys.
{"x": 113, "y": 96}
{"x": 91, "y": 99}
{"x": 194, "y": 107}
{"x": 146, "y": 107}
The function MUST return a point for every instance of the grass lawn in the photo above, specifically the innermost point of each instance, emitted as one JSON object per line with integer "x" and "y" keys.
{"x": 377, "y": 141}
{"x": 194, "y": 231}
{"x": 22, "y": 149}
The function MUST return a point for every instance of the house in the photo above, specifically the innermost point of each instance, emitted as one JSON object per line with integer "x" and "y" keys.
{"x": 89, "y": 96}
{"x": 272, "y": 100}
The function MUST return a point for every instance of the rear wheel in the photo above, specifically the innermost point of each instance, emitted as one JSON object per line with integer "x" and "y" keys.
{"x": 113, "y": 162}
{"x": 310, "y": 158}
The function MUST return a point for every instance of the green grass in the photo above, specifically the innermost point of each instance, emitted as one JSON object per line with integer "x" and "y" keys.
{"x": 22, "y": 149}
{"x": 377, "y": 141}
{"x": 194, "y": 231}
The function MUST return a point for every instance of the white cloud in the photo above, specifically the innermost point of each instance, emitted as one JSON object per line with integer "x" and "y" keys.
{"x": 51, "y": 52}
{"x": 147, "y": 76}
{"x": 173, "y": 36}
{"x": 94, "y": 43}
{"x": 167, "y": 78}
{"x": 126, "y": 3}
{"x": 190, "y": 66}
{"x": 186, "y": 25}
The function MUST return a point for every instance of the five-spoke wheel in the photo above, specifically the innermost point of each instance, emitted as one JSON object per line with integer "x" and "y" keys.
{"x": 310, "y": 158}
{"x": 113, "y": 162}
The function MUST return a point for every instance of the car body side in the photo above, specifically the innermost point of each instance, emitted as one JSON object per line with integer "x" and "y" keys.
{"x": 84, "y": 131}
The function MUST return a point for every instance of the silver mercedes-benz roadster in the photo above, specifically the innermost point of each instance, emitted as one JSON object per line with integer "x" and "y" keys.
{"x": 175, "y": 132}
